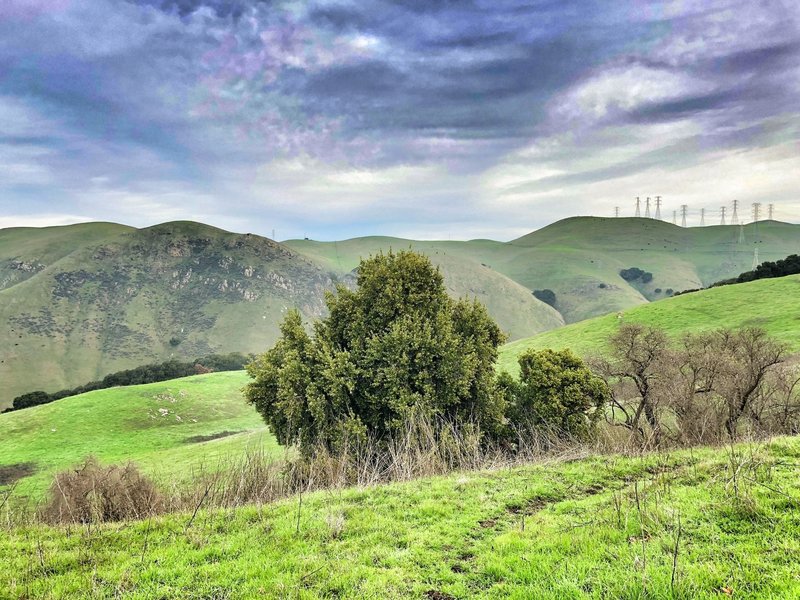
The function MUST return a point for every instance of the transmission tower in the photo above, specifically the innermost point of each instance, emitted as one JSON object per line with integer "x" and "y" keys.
{"x": 658, "y": 207}
{"x": 674, "y": 217}
{"x": 638, "y": 203}
{"x": 647, "y": 208}
{"x": 756, "y": 211}
{"x": 684, "y": 208}
{"x": 702, "y": 217}
{"x": 770, "y": 211}
{"x": 741, "y": 233}
{"x": 735, "y": 216}
{"x": 722, "y": 215}
{"x": 616, "y": 212}
{"x": 755, "y": 258}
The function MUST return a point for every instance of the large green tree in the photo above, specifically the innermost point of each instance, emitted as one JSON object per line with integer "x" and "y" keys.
{"x": 393, "y": 348}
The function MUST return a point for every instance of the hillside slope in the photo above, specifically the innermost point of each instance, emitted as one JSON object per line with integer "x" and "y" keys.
{"x": 772, "y": 304}
{"x": 653, "y": 526}
{"x": 168, "y": 428}
{"x": 580, "y": 258}
{"x": 114, "y": 298}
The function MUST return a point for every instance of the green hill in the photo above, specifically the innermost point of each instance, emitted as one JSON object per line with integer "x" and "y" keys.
{"x": 653, "y": 526}
{"x": 772, "y": 304}
{"x": 82, "y": 301}
{"x": 168, "y": 428}
{"x": 580, "y": 258}
{"x": 96, "y": 298}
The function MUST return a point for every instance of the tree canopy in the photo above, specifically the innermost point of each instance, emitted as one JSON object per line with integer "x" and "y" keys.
{"x": 394, "y": 347}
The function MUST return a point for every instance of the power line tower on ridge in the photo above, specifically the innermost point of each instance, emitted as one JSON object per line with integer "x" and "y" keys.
{"x": 647, "y": 208}
{"x": 756, "y": 211}
{"x": 674, "y": 217}
{"x": 638, "y": 204}
{"x": 684, "y": 208}
{"x": 658, "y": 207}
{"x": 722, "y": 215}
{"x": 735, "y": 216}
{"x": 616, "y": 212}
{"x": 702, "y": 217}
{"x": 770, "y": 211}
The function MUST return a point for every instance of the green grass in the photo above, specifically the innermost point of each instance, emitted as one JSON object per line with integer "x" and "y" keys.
{"x": 603, "y": 527}
{"x": 126, "y": 423}
{"x": 772, "y": 304}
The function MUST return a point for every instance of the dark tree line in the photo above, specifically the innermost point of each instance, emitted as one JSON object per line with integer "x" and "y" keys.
{"x": 152, "y": 373}
{"x": 766, "y": 270}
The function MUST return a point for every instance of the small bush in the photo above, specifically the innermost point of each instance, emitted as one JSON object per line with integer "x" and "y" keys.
{"x": 657, "y": 290}
{"x": 92, "y": 493}
{"x": 602, "y": 286}
{"x": 636, "y": 274}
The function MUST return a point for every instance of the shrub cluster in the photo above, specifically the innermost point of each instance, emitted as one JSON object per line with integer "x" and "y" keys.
{"x": 547, "y": 296}
{"x": 636, "y": 274}
{"x": 398, "y": 348}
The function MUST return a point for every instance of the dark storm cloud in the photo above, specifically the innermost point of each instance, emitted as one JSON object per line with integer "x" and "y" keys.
{"x": 179, "y": 98}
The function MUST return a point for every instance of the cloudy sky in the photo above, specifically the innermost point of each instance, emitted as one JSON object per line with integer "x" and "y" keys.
{"x": 419, "y": 118}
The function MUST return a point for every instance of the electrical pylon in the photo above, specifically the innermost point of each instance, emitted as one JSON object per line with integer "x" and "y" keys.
{"x": 658, "y": 207}
{"x": 722, "y": 215}
{"x": 647, "y": 208}
{"x": 684, "y": 208}
{"x": 735, "y": 216}
{"x": 638, "y": 203}
{"x": 702, "y": 217}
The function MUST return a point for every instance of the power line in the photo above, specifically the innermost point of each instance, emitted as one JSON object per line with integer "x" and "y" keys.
{"x": 638, "y": 202}
{"x": 735, "y": 216}
{"x": 684, "y": 208}
{"x": 755, "y": 258}
{"x": 702, "y": 217}
{"x": 647, "y": 208}
{"x": 616, "y": 212}
{"x": 770, "y": 211}
{"x": 674, "y": 217}
{"x": 722, "y": 215}
{"x": 756, "y": 211}
{"x": 658, "y": 207}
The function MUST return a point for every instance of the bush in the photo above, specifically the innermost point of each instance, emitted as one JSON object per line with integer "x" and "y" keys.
{"x": 394, "y": 348}
{"x": 636, "y": 274}
{"x": 92, "y": 493}
{"x": 546, "y": 296}
{"x": 556, "y": 392}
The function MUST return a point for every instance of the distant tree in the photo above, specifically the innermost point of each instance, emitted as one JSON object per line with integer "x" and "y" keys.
{"x": 556, "y": 391}
{"x": 393, "y": 348}
{"x": 547, "y": 296}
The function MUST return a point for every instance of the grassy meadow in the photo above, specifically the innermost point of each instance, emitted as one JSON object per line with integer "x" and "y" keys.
{"x": 169, "y": 428}
{"x": 705, "y": 523}
{"x": 772, "y": 304}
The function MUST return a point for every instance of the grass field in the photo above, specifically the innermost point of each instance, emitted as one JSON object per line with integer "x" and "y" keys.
{"x": 164, "y": 427}
{"x": 772, "y": 304}
{"x": 661, "y": 526}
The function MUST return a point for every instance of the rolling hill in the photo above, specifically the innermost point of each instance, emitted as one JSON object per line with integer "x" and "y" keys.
{"x": 168, "y": 428}
{"x": 771, "y": 304}
{"x": 81, "y": 301}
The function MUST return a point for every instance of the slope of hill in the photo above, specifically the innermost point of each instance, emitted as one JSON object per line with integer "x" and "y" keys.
{"x": 580, "y": 258}
{"x": 114, "y": 298}
{"x": 772, "y": 304}
{"x": 168, "y": 428}
{"x": 657, "y": 526}
{"x": 81, "y": 301}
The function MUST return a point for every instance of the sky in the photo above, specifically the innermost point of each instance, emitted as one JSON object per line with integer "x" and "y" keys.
{"x": 429, "y": 119}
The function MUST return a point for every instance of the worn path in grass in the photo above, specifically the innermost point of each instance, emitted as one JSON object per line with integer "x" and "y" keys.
{"x": 604, "y": 527}
{"x": 169, "y": 428}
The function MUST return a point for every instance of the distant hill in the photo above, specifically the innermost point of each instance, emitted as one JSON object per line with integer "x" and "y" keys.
{"x": 580, "y": 258}
{"x": 81, "y": 301}
{"x": 772, "y": 304}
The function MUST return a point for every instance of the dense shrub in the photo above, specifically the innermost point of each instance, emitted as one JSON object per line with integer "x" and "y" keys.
{"x": 396, "y": 347}
{"x": 546, "y": 296}
{"x": 636, "y": 274}
{"x": 92, "y": 493}
{"x": 555, "y": 392}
